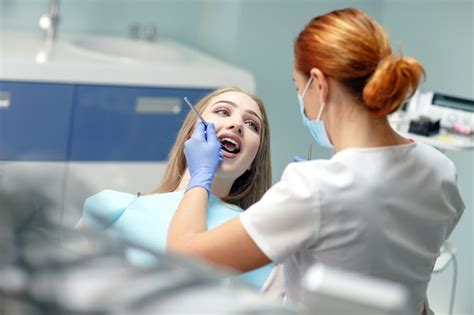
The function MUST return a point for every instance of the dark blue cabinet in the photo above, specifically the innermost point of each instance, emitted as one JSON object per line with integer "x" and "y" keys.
{"x": 115, "y": 123}
{"x": 35, "y": 121}
{"x": 61, "y": 122}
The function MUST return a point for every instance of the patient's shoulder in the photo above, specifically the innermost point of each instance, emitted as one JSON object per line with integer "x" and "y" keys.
{"x": 104, "y": 208}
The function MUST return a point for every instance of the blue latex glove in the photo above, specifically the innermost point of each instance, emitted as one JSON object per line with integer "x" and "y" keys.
{"x": 203, "y": 156}
{"x": 299, "y": 159}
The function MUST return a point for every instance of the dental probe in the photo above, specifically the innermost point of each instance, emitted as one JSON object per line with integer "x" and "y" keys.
{"x": 310, "y": 149}
{"x": 195, "y": 110}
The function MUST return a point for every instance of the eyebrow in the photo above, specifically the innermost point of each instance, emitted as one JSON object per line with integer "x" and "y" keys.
{"x": 235, "y": 105}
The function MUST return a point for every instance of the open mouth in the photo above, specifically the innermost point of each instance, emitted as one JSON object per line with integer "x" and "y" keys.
{"x": 229, "y": 144}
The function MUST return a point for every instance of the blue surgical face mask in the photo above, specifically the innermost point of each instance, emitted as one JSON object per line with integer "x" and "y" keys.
{"x": 316, "y": 127}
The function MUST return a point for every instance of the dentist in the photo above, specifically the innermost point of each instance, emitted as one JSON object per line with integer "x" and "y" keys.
{"x": 381, "y": 206}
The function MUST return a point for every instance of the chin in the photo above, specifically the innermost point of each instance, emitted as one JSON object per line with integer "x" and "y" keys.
{"x": 227, "y": 171}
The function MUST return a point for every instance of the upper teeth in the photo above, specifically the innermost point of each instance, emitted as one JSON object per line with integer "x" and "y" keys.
{"x": 231, "y": 141}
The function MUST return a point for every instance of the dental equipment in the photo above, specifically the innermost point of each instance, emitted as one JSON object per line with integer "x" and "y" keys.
{"x": 455, "y": 116}
{"x": 450, "y": 110}
{"x": 195, "y": 110}
{"x": 448, "y": 254}
{"x": 310, "y": 151}
{"x": 328, "y": 290}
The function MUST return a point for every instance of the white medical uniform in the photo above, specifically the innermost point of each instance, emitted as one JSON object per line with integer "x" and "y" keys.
{"x": 383, "y": 212}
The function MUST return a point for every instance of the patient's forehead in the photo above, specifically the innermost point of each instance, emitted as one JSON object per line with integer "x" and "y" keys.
{"x": 242, "y": 100}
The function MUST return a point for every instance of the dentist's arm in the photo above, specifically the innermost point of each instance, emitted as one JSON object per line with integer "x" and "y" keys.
{"x": 203, "y": 157}
{"x": 227, "y": 245}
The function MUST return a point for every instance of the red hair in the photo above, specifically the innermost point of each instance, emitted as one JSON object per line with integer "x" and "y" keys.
{"x": 352, "y": 48}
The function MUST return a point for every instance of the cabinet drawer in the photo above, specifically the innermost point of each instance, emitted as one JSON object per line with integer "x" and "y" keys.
{"x": 34, "y": 120}
{"x": 114, "y": 123}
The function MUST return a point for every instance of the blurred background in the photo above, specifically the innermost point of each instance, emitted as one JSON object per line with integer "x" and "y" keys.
{"x": 252, "y": 41}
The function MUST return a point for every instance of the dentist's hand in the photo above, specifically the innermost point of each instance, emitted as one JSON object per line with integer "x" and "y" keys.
{"x": 203, "y": 156}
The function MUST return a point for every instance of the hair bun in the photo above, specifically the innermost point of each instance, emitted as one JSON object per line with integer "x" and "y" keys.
{"x": 395, "y": 79}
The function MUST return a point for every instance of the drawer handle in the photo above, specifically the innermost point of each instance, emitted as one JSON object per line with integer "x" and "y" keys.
{"x": 158, "y": 105}
{"x": 4, "y": 99}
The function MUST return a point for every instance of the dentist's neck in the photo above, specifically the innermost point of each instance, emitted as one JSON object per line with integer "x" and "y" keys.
{"x": 220, "y": 186}
{"x": 351, "y": 125}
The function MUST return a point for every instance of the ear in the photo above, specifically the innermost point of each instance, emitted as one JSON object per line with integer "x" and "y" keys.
{"x": 320, "y": 82}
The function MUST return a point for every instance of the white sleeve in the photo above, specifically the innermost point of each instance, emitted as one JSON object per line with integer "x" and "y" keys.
{"x": 287, "y": 218}
{"x": 453, "y": 196}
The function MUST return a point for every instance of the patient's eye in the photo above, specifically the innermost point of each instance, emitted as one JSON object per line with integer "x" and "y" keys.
{"x": 222, "y": 111}
{"x": 253, "y": 125}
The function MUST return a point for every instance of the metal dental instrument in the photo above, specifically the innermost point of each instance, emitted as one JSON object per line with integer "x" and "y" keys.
{"x": 195, "y": 110}
{"x": 310, "y": 149}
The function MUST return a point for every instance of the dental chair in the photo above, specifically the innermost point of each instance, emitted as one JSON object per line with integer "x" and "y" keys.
{"x": 330, "y": 291}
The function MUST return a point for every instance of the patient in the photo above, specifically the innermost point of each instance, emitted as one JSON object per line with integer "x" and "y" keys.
{"x": 243, "y": 177}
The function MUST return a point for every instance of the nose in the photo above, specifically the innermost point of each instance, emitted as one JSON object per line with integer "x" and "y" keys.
{"x": 237, "y": 126}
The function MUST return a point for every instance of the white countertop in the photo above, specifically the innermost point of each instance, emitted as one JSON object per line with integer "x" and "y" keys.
{"x": 163, "y": 63}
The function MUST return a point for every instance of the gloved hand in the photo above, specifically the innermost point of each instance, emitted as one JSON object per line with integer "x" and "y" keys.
{"x": 299, "y": 159}
{"x": 203, "y": 156}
